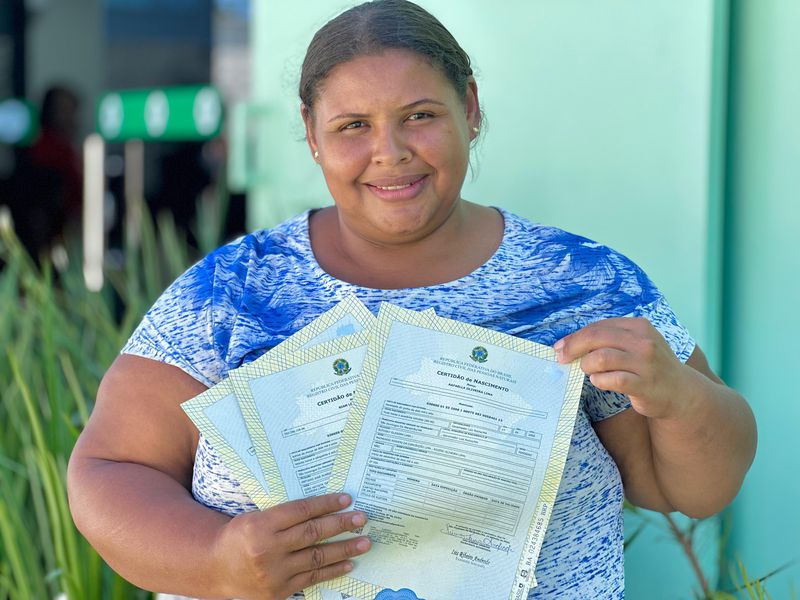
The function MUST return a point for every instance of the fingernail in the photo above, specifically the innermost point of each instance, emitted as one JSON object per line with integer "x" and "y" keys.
{"x": 359, "y": 519}
{"x": 348, "y": 566}
{"x": 363, "y": 545}
{"x": 559, "y": 346}
{"x": 344, "y": 500}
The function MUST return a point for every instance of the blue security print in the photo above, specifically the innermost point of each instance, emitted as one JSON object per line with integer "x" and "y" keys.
{"x": 401, "y": 594}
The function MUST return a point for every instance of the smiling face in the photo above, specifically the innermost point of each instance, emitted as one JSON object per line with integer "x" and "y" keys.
{"x": 392, "y": 136}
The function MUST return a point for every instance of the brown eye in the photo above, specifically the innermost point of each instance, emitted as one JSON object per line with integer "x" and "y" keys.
{"x": 354, "y": 125}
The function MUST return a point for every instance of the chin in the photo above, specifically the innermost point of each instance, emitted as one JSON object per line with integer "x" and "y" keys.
{"x": 405, "y": 229}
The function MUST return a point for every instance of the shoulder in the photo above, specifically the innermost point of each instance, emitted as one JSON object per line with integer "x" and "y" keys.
{"x": 576, "y": 264}
{"x": 191, "y": 323}
{"x": 231, "y": 267}
{"x": 588, "y": 281}
{"x": 262, "y": 245}
{"x": 548, "y": 240}
{"x": 243, "y": 272}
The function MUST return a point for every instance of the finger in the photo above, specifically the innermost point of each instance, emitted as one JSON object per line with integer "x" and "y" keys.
{"x": 309, "y": 578}
{"x": 607, "y": 359}
{"x": 603, "y": 334}
{"x": 622, "y": 382}
{"x": 324, "y": 555}
{"x": 316, "y": 530}
{"x": 290, "y": 514}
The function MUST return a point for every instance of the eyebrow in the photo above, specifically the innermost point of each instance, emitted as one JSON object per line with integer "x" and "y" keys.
{"x": 403, "y": 108}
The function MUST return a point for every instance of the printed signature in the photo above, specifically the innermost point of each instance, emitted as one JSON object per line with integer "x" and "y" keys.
{"x": 485, "y": 542}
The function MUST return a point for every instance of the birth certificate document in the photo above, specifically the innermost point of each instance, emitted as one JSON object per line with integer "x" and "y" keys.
{"x": 454, "y": 446}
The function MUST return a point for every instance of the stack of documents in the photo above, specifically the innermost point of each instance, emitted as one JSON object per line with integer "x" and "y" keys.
{"x": 451, "y": 437}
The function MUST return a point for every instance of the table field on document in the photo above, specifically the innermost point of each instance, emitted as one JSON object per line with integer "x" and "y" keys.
{"x": 427, "y": 460}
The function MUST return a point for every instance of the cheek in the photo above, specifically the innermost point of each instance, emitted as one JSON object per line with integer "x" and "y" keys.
{"x": 447, "y": 151}
{"x": 446, "y": 138}
{"x": 343, "y": 160}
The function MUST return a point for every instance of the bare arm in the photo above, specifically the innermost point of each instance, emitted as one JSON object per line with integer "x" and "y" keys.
{"x": 129, "y": 478}
{"x": 688, "y": 439}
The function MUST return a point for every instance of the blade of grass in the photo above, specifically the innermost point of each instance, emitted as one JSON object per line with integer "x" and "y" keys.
{"x": 74, "y": 387}
{"x": 33, "y": 417}
{"x": 149, "y": 259}
{"x": 64, "y": 534}
{"x": 44, "y": 526}
{"x": 173, "y": 247}
{"x": 21, "y": 556}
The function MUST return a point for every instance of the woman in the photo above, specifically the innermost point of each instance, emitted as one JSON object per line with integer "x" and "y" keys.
{"x": 390, "y": 109}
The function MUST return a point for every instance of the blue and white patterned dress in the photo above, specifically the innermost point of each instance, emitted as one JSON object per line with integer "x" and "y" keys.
{"x": 541, "y": 284}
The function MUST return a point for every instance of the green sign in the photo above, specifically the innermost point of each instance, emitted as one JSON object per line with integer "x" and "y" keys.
{"x": 168, "y": 114}
{"x": 19, "y": 122}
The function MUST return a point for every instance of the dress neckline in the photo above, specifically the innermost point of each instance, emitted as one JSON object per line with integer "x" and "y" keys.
{"x": 491, "y": 264}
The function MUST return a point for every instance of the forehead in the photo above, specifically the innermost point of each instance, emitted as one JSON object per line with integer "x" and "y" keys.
{"x": 394, "y": 77}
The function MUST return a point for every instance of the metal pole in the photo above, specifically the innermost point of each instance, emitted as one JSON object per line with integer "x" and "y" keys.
{"x": 94, "y": 234}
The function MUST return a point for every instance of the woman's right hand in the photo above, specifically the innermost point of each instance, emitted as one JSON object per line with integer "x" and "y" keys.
{"x": 270, "y": 555}
{"x": 130, "y": 479}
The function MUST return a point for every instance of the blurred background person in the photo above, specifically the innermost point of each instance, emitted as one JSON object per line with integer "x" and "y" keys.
{"x": 46, "y": 187}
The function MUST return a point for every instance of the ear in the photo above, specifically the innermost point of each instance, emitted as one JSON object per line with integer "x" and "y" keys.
{"x": 473, "y": 107}
{"x": 308, "y": 122}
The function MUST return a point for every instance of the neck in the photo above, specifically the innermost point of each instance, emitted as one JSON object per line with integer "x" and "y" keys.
{"x": 463, "y": 242}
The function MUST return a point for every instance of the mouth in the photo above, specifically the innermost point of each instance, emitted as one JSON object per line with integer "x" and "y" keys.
{"x": 397, "y": 188}
{"x": 394, "y": 187}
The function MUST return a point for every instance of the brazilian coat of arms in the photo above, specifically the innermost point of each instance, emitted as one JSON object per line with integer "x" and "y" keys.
{"x": 479, "y": 354}
{"x": 341, "y": 366}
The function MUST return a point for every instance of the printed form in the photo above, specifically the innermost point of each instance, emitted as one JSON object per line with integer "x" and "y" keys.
{"x": 216, "y": 411}
{"x": 454, "y": 446}
{"x": 295, "y": 405}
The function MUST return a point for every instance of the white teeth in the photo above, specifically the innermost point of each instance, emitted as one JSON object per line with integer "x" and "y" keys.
{"x": 393, "y": 187}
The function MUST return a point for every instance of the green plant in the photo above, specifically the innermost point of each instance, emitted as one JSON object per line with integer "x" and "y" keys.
{"x": 740, "y": 585}
{"x": 56, "y": 341}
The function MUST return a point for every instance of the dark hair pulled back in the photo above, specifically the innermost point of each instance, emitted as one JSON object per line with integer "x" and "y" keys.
{"x": 373, "y": 27}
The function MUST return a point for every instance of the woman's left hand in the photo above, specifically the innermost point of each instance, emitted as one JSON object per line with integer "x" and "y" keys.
{"x": 628, "y": 355}
{"x": 689, "y": 439}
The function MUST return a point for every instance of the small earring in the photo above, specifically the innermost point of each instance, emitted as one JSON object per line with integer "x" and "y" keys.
{"x": 316, "y": 155}
{"x": 476, "y": 130}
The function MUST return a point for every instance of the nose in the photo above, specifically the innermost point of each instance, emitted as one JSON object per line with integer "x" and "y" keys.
{"x": 390, "y": 146}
